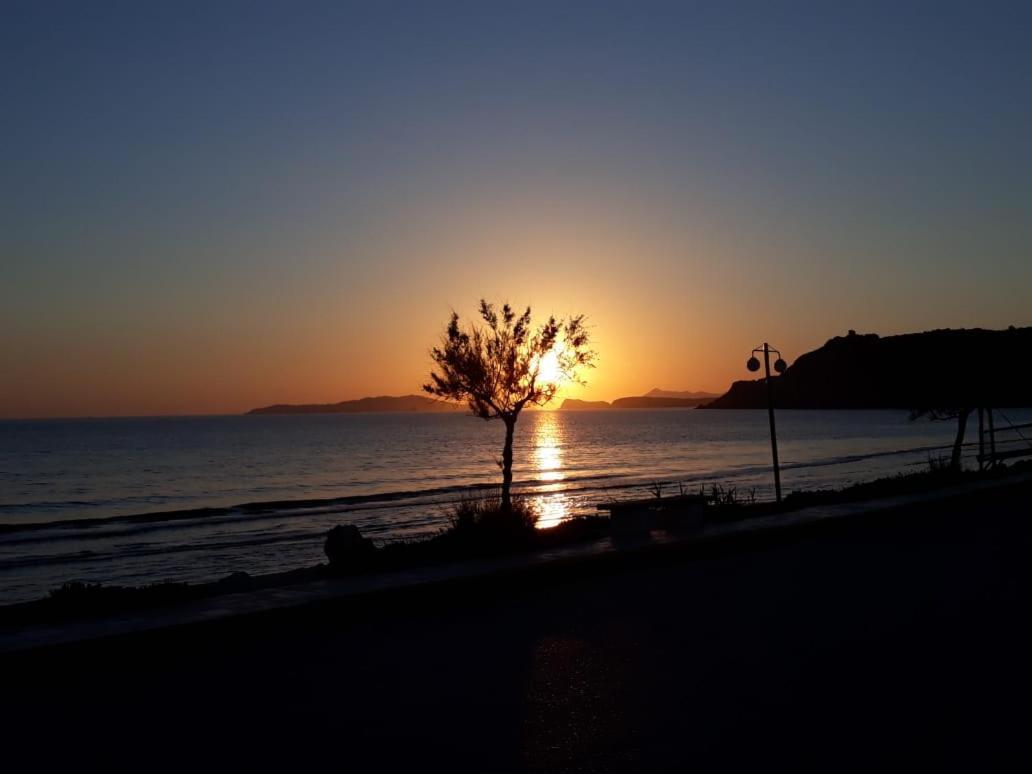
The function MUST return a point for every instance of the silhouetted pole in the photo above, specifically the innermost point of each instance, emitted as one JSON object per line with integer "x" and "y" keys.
{"x": 981, "y": 439}
{"x": 992, "y": 438}
{"x": 770, "y": 416}
{"x": 779, "y": 366}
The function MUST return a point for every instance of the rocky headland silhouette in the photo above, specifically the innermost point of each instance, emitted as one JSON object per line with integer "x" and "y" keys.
{"x": 941, "y": 368}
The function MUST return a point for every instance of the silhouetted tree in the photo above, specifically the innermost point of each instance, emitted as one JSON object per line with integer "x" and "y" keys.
{"x": 960, "y": 414}
{"x": 497, "y": 369}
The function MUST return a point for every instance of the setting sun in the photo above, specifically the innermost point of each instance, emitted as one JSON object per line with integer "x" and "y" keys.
{"x": 549, "y": 371}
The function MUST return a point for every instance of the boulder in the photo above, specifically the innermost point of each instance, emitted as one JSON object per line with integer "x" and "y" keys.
{"x": 347, "y": 549}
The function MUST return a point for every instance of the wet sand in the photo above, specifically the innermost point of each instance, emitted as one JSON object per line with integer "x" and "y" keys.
{"x": 894, "y": 639}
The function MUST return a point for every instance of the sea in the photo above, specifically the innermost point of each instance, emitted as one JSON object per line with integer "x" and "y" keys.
{"x": 145, "y": 500}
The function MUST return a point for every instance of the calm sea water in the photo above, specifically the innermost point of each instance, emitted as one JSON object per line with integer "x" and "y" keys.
{"x": 390, "y": 474}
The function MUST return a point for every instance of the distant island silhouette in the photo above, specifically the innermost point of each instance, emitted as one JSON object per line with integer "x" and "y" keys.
{"x": 656, "y": 392}
{"x": 379, "y": 403}
{"x": 573, "y": 404}
{"x": 649, "y": 401}
{"x": 940, "y": 368}
{"x": 655, "y": 398}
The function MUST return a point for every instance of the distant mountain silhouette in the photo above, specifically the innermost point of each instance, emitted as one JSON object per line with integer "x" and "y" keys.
{"x": 646, "y": 402}
{"x": 636, "y": 402}
{"x": 364, "y": 405}
{"x": 941, "y": 368}
{"x": 572, "y": 404}
{"x": 658, "y": 393}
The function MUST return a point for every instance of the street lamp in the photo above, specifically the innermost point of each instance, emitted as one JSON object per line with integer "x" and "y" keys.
{"x": 779, "y": 365}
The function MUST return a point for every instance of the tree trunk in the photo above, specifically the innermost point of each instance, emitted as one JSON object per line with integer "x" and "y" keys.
{"x": 962, "y": 419}
{"x": 510, "y": 426}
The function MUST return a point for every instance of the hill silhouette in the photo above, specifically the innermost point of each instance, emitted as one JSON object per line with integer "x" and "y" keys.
{"x": 387, "y": 403}
{"x": 656, "y": 392}
{"x": 633, "y": 402}
{"x": 940, "y": 368}
{"x": 572, "y": 404}
{"x": 644, "y": 401}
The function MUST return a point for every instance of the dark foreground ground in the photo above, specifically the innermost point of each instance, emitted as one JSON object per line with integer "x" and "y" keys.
{"x": 894, "y": 640}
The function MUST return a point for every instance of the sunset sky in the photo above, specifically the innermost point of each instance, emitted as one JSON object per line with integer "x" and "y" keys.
{"x": 213, "y": 206}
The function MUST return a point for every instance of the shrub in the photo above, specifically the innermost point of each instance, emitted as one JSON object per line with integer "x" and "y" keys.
{"x": 939, "y": 466}
{"x": 485, "y": 519}
{"x": 721, "y": 496}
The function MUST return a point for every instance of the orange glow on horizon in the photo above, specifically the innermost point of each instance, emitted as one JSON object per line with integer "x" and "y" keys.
{"x": 332, "y": 335}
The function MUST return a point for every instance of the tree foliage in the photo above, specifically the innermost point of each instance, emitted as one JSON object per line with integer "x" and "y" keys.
{"x": 496, "y": 367}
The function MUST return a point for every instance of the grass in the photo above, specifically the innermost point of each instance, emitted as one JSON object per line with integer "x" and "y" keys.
{"x": 726, "y": 503}
{"x": 728, "y": 497}
{"x": 939, "y": 474}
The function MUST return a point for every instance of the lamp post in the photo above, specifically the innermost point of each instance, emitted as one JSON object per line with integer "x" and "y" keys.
{"x": 779, "y": 366}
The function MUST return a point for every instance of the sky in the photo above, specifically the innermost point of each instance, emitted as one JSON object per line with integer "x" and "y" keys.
{"x": 206, "y": 207}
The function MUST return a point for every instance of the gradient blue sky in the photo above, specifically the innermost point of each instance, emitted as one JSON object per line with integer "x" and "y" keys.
{"x": 211, "y": 206}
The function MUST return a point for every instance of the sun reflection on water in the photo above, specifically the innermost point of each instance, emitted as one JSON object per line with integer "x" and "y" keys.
{"x": 547, "y": 457}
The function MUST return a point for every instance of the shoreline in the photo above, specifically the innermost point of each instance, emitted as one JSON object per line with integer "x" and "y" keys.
{"x": 301, "y": 588}
{"x": 307, "y": 505}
